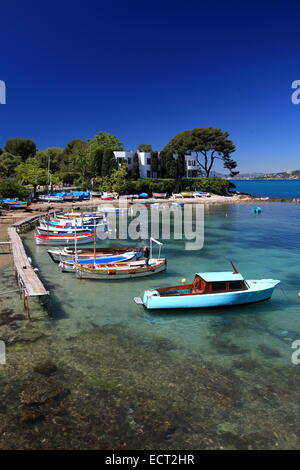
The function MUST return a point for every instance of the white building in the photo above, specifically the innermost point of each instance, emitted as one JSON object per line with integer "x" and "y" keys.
{"x": 192, "y": 166}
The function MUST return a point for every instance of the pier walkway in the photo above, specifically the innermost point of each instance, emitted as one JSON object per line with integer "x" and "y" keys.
{"x": 27, "y": 278}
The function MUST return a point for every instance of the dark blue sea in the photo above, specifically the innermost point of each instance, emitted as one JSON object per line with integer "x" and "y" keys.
{"x": 285, "y": 189}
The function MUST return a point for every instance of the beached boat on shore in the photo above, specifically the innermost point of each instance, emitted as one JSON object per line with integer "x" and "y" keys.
{"x": 215, "y": 289}
{"x": 70, "y": 253}
{"x": 14, "y": 203}
{"x": 125, "y": 270}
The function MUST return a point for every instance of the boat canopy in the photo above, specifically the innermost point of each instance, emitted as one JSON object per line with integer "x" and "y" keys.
{"x": 220, "y": 277}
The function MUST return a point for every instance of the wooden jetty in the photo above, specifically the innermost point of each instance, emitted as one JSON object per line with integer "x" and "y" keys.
{"x": 28, "y": 281}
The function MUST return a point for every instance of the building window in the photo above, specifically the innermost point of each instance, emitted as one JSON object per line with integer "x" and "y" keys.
{"x": 129, "y": 160}
{"x": 148, "y": 174}
{"x": 148, "y": 161}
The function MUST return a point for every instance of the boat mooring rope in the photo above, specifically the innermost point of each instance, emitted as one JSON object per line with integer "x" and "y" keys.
{"x": 11, "y": 291}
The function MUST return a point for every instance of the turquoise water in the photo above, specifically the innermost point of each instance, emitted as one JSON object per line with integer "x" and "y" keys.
{"x": 264, "y": 246}
{"x": 171, "y": 380}
{"x": 283, "y": 189}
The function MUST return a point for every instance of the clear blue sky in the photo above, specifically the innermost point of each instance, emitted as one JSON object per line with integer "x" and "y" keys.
{"x": 146, "y": 70}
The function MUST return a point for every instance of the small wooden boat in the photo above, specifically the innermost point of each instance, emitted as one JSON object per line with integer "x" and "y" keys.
{"x": 61, "y": 230}
{"x": 64, "y": 239}
{"x": 215, "y": 289}
{"x": 160, "y": 195}
{"x": 69, "y": 223}
{"x": 51, "y": 198}
{"x": 69, "y": 253}
{"x": 14, "y": 204}
{"x": 126, "y": 270}
{"x": 201, "y": 194}
{"x": 68, "y": 265}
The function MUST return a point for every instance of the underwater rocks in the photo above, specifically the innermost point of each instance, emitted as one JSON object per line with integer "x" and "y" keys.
{"x": 224, "y": 346}
{"x": 46, "y": 368}
{"x": 40, "y": 390}
{"x": 31, "y": 415}
{"x": 42, "y": 398}
{"x": 268, "y": 352}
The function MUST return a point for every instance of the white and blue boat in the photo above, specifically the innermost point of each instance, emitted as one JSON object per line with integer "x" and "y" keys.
{"x": 212, "y": 289}
{"x": 13, "y": 203}
{"x": 68, "y": 265}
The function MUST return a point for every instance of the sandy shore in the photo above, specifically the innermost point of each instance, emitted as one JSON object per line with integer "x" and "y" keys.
{"x": 94, "y": 202}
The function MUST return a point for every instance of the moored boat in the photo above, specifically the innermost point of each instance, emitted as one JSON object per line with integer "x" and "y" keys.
{"x": 126, "y": 270}
{"x": 61, "y": 230}
{"x": 214, "y": 289}
{"x": 69, "y": 253}
{"x": 64, "y": 239}
{"x": 69, "y": 264}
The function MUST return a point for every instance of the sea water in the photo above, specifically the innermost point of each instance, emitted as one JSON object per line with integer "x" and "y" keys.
{"x": 281, "y": 189}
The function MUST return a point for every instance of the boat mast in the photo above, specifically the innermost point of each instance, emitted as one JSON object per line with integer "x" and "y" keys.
{"x": 94, "y": 242}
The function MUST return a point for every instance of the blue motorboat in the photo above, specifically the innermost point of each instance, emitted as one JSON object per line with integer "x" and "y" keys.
{"x": 212, "y": 289}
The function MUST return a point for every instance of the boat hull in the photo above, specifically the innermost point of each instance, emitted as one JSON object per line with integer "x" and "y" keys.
{"x": 135, "y": 270}
{"x": 62, "y": 240}
{"x": 59, "y": 254}
{"x": 67, "y": 266}
{"x": 258, "y": 291}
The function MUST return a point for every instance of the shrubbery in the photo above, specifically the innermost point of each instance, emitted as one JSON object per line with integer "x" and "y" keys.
{"x": 9, "y": 189}
{"x": 167, "y": 185}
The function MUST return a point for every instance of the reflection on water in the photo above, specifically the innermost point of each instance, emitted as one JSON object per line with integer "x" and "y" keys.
{"x": 120, "y": 376}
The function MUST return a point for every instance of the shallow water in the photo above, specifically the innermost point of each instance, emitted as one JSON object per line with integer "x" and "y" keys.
{"x": 192, "y": 379}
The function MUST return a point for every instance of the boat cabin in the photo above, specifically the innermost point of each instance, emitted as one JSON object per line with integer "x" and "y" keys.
{"x": 208, "y": 283}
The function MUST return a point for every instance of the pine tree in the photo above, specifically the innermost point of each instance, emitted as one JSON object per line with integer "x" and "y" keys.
{"x": 109, "y": 163}
{"x": 135, "y": 173}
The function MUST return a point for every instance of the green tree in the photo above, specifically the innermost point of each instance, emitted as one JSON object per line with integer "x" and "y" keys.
{"x": 208, "y": 142}
{"x": 96, "y": 160}
{"x": 10, "y": 189}
{"x": 109, "y": 163}
{"x": 154, "y": 163}
{"x": 53, "y": 157}
{"x": 105, "y": 141}
{"x": 22, "y": 147}
{"x": 135, "y": 173}
{"x": 145, "y": 148}
{"x": 8, "y": 164}
{"x": 31, "y": 173}
{"x": 181, "y": 164}
{"x": 118, "y": 179}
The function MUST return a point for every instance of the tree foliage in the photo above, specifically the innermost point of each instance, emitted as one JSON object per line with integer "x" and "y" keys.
{"x": 135, "y": 173}
{"x": 105, "y": 141}
{"x": 22, "y": 147}
{"x": 109, "y": 163}
{"x": 145, "y": 148}
{"x": 209, "y": 143}
{"x": 8, "y": 164}
{"x": 31, "y": 173}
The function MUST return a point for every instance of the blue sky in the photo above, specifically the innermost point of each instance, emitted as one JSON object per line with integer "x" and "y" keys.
{"x": 146, "y": 70}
